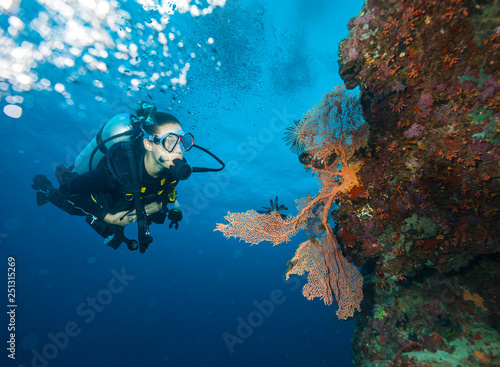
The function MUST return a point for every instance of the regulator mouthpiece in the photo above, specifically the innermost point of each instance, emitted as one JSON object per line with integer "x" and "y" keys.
{"x": 181, "y": 170}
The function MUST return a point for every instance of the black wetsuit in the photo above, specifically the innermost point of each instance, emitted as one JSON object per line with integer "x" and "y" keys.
{"x": 97, "y": 193}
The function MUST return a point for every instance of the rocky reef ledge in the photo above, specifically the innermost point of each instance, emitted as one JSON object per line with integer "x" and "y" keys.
{"x": 423, "y": 223}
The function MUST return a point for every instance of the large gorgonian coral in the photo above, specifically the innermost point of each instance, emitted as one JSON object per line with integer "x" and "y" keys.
{"x": 330, "y": 133}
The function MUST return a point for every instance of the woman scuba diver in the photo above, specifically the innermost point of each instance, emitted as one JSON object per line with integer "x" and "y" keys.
{"x": 127, "y": 174}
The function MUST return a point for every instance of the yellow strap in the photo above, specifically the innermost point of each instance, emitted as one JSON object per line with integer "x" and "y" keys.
{"x": 172, "y": 196}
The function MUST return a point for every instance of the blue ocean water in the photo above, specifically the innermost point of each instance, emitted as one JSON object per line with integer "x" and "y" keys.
{"x": 235, "y": 77}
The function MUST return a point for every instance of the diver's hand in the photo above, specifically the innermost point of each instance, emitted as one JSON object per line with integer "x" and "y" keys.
{"x": 121, "y": 218}
{"x": 153, "y": 208}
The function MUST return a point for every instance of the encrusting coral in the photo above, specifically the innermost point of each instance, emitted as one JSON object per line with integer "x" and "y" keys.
{"x": 428, "y": 200}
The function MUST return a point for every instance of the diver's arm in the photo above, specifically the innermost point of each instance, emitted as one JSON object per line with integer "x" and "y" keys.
{"x": 121, "y": 218}
{"x": 127, "y": 217}
{"x": 99, "y": 180}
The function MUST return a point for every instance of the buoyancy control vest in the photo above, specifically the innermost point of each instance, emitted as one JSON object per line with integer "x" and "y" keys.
{"x": 161, "y": 190}
{"x": 118, "y": 130}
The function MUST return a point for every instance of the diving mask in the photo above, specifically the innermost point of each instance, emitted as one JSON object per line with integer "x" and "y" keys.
{"x": 170, "y": 140}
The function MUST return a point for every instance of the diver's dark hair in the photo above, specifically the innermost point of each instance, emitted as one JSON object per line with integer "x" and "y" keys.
{"x": 148, "y": 118}
{"x": 163, "y": 118}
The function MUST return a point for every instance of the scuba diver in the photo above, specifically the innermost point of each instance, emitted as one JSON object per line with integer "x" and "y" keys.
{"x": 127, "y": 173}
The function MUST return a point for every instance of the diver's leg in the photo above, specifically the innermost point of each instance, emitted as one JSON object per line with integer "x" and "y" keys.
{"x": 63, "y": 203}
{"x": 45, "y": 193}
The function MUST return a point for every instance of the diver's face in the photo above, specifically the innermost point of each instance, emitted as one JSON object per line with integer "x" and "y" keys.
{"x": 160, "y": 154}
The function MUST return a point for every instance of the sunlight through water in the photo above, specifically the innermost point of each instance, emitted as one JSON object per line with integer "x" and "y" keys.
{"x": 128, "y": 44}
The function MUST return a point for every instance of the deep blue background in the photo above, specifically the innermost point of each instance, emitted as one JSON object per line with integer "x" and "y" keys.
{"x": 277, "y": 58}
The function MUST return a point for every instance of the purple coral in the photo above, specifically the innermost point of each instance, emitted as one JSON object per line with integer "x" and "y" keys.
{"x": 353, "y": 54}
{"x": 425, "y": 101}
{"x": 415, "y": 131}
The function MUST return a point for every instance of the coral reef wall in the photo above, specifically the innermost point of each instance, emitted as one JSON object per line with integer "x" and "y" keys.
{"x": 424, "y": 221}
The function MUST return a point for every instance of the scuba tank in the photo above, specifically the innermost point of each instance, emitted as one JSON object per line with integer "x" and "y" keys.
{"x": 118, "y": 124}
